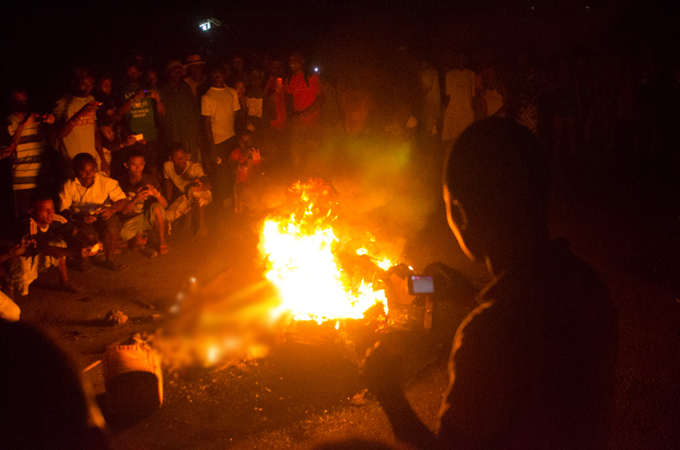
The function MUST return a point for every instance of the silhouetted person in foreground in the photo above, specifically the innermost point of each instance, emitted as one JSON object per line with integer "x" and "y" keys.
{"x": 532, "y": 367}
{"x": 45, "y": 404}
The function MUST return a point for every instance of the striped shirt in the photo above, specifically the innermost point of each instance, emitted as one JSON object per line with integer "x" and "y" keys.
{"x": 30, "y": 155}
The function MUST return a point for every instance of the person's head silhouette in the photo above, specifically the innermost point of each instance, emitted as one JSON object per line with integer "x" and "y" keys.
{"x": 496, "y": 193}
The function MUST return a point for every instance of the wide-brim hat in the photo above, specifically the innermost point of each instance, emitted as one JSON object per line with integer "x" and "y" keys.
{"x": 192, "y": 60}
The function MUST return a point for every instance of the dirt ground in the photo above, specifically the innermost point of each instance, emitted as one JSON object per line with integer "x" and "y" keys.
{"x": 300, "y": 395}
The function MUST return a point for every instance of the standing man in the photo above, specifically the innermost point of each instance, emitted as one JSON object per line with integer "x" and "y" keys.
{"x": 218, "y": 110}
{"x": 30, "y": 168}
{"x": 305, "y": 98}
{"x": 139, "y": 112}
{"x": 460, "y": 92}
{"x": 181, "y": 111}
{"x": 76, "y": 121}
{"x": 196, "y": 79}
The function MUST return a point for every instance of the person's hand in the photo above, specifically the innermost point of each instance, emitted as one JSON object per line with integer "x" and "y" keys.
{"x": 198, "y": 186}
{"x": 130, "y": 140}
{"x": 141, "y": 196}
{"x": 49, "y": 119}
{"x": 19, "y": 249}
{"x": 250, "y": 127}
{"x": 154, "y": 95}
{"x": 106, "y": 213}
{"x": 88, "y": 109}
{"x": 380, "y": 370}
{"x": 256, "y": 154}
{"x": 5, "y": 152}
{"x": 138, "y": 95}
{"x": 90, "y": 219}
{"x": 153, "y": 192}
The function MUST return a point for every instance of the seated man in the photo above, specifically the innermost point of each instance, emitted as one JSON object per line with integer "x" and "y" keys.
{"x": 92, "y": 201}
{"x": 244, "y": 160}
{"x": 533, "y": 366}
{"x": 195, "y": 192}
{"x": 146, "y": 206}
{"x": 46, "y": 234}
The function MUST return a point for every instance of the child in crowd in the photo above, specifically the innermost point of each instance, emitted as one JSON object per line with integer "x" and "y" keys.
{"x": 254, "y": 99}
{"x": 92, "y": 201}
{"x": 245, "y": 159}
{"x": 195, "y": 192}
{"x": 145, "y": 210}
{"x": 45, "y": 235}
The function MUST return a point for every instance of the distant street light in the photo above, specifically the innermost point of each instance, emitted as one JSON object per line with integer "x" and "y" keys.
{"x": 210, "y": 23}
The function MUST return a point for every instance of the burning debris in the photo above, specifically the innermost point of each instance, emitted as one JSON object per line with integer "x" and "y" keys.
{"x": 316, "y": 270}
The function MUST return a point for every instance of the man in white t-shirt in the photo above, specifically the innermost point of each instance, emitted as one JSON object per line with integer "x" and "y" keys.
{"x": 218, "y": 111}
{"x": 76, "y": 120}
{"x": 92, "y": 201}
{"x": 460, "y": 91}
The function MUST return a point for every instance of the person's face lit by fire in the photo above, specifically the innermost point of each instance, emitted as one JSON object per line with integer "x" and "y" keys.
{"x": 240, "y": 88}
{"x": 276, "y": 68}
{"x": 179, "y": 159}
{"x": 217, "y": 79}
{"x": 19, "y": 101}
{"x": 152, "y": 78}
{"x": 135, "y": 166}
{"x": 84, "y": 86}
{"x": 133, "y": 74}
{"x": 245, "y": 142}
{"x": 196, "y": 71}
{"x": 86, "y": 174}
{"x": 43, "y": 212}
{"x": 296, "y": 64}
{"x": 238, "y": 63}
{"x": 105, "y": 86}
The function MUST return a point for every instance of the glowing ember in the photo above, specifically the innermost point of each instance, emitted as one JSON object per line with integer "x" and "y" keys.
{"x": 302, "y": 263}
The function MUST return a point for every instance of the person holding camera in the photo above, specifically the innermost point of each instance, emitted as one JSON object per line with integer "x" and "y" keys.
{"x": 533, "y": 366}
{"x": 190, "y": 182}
{"x": 145, "y": 210}
{"x": 140, "y": 112}
{"x": 92, "y": 201}
{"x": 76, "y": 121}
{"x": 30, "y": 168}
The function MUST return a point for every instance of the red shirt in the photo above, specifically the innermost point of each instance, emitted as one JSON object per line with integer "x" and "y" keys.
{"x": 304, "y": 95}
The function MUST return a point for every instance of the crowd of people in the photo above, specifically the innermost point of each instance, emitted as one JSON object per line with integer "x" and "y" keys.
{"x": 120, "y": 161}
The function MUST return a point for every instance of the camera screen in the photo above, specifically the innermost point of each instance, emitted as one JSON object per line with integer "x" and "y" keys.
{"x": 422, "y": 284}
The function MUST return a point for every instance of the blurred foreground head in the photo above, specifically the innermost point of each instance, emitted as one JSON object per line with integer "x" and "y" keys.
{"x": 44, "y": 401}
{"x": 496, "y": 192}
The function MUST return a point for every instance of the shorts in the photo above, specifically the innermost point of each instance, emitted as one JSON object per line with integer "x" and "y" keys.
{"x": 141, "y": 223}
{"x": 184, "y": 203}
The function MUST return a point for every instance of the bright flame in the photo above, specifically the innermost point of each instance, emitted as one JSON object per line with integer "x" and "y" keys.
{"x": 303, "y": 266}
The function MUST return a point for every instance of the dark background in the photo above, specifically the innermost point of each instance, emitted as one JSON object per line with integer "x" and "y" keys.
{"x": 43, "y": 41}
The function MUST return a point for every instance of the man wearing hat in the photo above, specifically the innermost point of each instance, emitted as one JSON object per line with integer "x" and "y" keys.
{"x": 181, "y": 110}
{"x": 196, "y": 77}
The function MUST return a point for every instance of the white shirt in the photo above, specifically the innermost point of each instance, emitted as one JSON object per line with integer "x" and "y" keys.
{"x": 81, "y": 138}
{"x": 220, "y": 104}
{"x": 192, "y": 172}
{"x": 460, "y": 87}
{"x": 103, "y": 191}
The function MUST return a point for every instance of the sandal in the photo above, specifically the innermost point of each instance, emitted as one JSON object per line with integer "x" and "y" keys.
{"x": 114, "y": 266}
{"x": 151, "y": 253}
